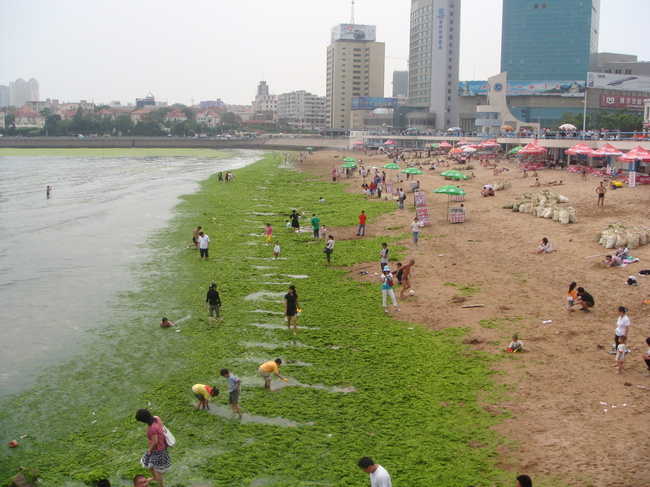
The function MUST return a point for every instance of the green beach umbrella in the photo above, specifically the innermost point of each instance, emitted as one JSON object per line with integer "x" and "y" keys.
{"x": 349, "y": 165}
{"x": 411, "y": 170}
{"x": 309, "y": 148}
{"x": 515, "y": 150}
{"x": 452, "y": 173}
{"x": 390, "y": 165}
{"x": 450, "y": 189}
{"x": 349, "y": 159}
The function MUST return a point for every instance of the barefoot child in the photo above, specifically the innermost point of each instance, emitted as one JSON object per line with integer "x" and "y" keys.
{"x": 276, "y": 250}
{"x": 620, "y": 355}
{"x": 571, "y": 296}
{"x": 288, "y": 225}
{"x": 165, "y": 323}
{"x": 269, "y": 233}
{"x": 516, "y": 345}
{"x": 234, "y": 384}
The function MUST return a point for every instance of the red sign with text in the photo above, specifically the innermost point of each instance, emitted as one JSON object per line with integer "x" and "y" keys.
{"x": 622, "y": 101}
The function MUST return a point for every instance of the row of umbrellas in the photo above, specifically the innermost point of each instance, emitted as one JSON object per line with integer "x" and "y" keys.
{"x": 607, "y": 150}
{"x": 351, "y": 163}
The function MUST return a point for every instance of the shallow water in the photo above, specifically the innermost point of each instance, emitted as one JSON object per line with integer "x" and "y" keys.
{"x": 64, "y": 258}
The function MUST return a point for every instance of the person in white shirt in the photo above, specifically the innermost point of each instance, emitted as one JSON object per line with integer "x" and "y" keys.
{"x": 379, "y": 477}
{"x": 622, "y": 325}
{"x": 204, "y": 245}
{"x": 545, "y": 247}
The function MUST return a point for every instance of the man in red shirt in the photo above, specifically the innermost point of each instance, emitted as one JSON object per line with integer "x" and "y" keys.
{"x": 362, "y": 224}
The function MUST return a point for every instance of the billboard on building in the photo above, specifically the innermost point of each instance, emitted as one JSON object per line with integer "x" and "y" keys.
{"x": 622, "y": 101}
{"x": 607, "y": 81}
{"x": 354, "y": 32}
{"x": 521, "y": 88}
{"x": 370, "y": 103}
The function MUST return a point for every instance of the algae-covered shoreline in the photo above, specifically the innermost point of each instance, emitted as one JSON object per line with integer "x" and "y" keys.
{"x": 360, "y": 383}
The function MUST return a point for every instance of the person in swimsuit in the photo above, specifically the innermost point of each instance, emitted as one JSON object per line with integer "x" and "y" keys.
{"x": 406, "y": 277}
{"x": 600, "y": 191}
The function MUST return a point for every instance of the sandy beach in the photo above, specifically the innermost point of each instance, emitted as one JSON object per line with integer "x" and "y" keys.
{"x": 569, "y": 419}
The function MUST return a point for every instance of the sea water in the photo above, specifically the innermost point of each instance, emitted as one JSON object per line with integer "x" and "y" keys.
{"x": 64, "y": 258}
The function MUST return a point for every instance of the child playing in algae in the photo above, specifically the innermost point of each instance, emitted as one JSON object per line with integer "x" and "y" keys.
{"x": 165, "y": 323}
{"x": 516, "y": 345}
{"x": 276, "y": 250}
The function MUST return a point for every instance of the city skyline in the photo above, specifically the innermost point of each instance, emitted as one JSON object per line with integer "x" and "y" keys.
{"x": 123, "y": 50}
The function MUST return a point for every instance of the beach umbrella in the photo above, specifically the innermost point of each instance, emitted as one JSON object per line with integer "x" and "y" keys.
{"x": 462, "y": 142}
{"x": 579, "y": 149}
{"x": 532, "y": 149}
{"x": 358, "y": 142}
{"x": 606, "y": 151}
{"x": 349, "y": 165}
{"x": 450, "y": 190}
{"x": 515, "y": 150}
{"x": 349, "y": 159}
{"x": 454, "y": 129}
{"x": 456, "y": 150}
{"x": 309, "y": 148}
{"x": 567, "y": 126}
{"x": 469, "y": 149}
{"x": 452, "y": 173}
{"x": 638, "y": 153}
{"x": 411, "y": 170}
{"x": 489, "y": 144}
{"x": 507, "y": 128}
{"x": 389, "y": 142}
{"x": 445, "y": 145}
{"x": 390, "y": 165}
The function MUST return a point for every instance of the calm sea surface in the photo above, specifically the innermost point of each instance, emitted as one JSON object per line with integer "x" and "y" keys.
{"x": 63, "y": 259}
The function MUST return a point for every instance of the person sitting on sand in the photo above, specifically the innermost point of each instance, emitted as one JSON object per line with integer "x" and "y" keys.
{"x": 545, "y": 247}
{"x": 622, "y": 252}
{"x": 487, "y": 190}
{"x": 614, "y": 261}
{"x": 516, "y": 345}
{"x": 537, "y": 184}
{"x": 165, "y": 323}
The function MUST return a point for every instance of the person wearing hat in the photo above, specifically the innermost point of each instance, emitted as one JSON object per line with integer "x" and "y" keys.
{"x": 387, "y": 289}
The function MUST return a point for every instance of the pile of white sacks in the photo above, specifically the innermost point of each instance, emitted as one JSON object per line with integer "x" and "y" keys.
{"x": 615, "y": 236}
{"x": 546, "y": 205}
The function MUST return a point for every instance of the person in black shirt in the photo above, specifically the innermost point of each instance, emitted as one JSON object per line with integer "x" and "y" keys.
{"x": 295, "y": 220}
{"x": 291, "y": 308}
{"x": 214, "y": 301}
{"x": 585, "y": 300}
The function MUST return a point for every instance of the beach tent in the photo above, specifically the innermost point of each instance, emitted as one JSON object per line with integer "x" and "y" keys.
{"x": 636, "y": 154}
{"x": 580, "y": 149}
{"x": 606, "y": 151}
{"x": 532, "y": 149}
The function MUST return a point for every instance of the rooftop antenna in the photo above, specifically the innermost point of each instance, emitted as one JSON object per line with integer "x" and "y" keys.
{"x": 352, "y": 17}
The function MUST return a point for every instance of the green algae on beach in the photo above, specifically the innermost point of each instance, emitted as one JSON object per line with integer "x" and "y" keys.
{"x": 400, "y": 393}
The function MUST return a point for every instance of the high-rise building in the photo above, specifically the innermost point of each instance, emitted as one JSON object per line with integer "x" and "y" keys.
{"x": 4, "y": 96}
{"x": 265, "y": 106}
{"x": 400, "y": 83}
{"x": 21, "y": 91}
{"x": 434, "y": 63}
{"x": 549, "y": 39}
{"x": 302, "y": 110}
{"x": 355, "y": 67}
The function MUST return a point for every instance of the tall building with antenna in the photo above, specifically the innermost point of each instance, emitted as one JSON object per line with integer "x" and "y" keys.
{"x": 355, "y": 68}
{"x": 434, "y": 61}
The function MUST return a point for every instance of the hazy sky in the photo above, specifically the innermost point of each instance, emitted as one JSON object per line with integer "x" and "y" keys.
{"x": 193, "y": 50}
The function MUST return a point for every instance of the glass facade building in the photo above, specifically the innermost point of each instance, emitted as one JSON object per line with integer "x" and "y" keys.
{"x": 549, "y": 39}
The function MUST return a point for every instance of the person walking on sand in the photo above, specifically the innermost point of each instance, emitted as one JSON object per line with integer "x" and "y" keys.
{"x": 268, "y": 233}
{"x": 361, "y": 231}
{"x": 379, "y": 476}
{"x": 234, "y": 386}
{"x": 383, "y": 256}
{"x": 291, "y": 307}
{"x": 646, "y": 356}
{"x": 203, "y": 393}
{"x": 387, "y": 289}
{"x": 315, "y": 223}
{"x": 406, "y": 278}
{"x": 213, "y": 300}
{"x": 156, "y": 458}
{"x": 204, "y": 245}
{"x": 295, "y": 221}
{"x": 276, "y": 250}
{"x": 600, "y": 191}
{"x": 415, "y": 230}
{"x": 195, "y": 238}
{"x": 268, "y": 368}
{"x": 329, "y": 248}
